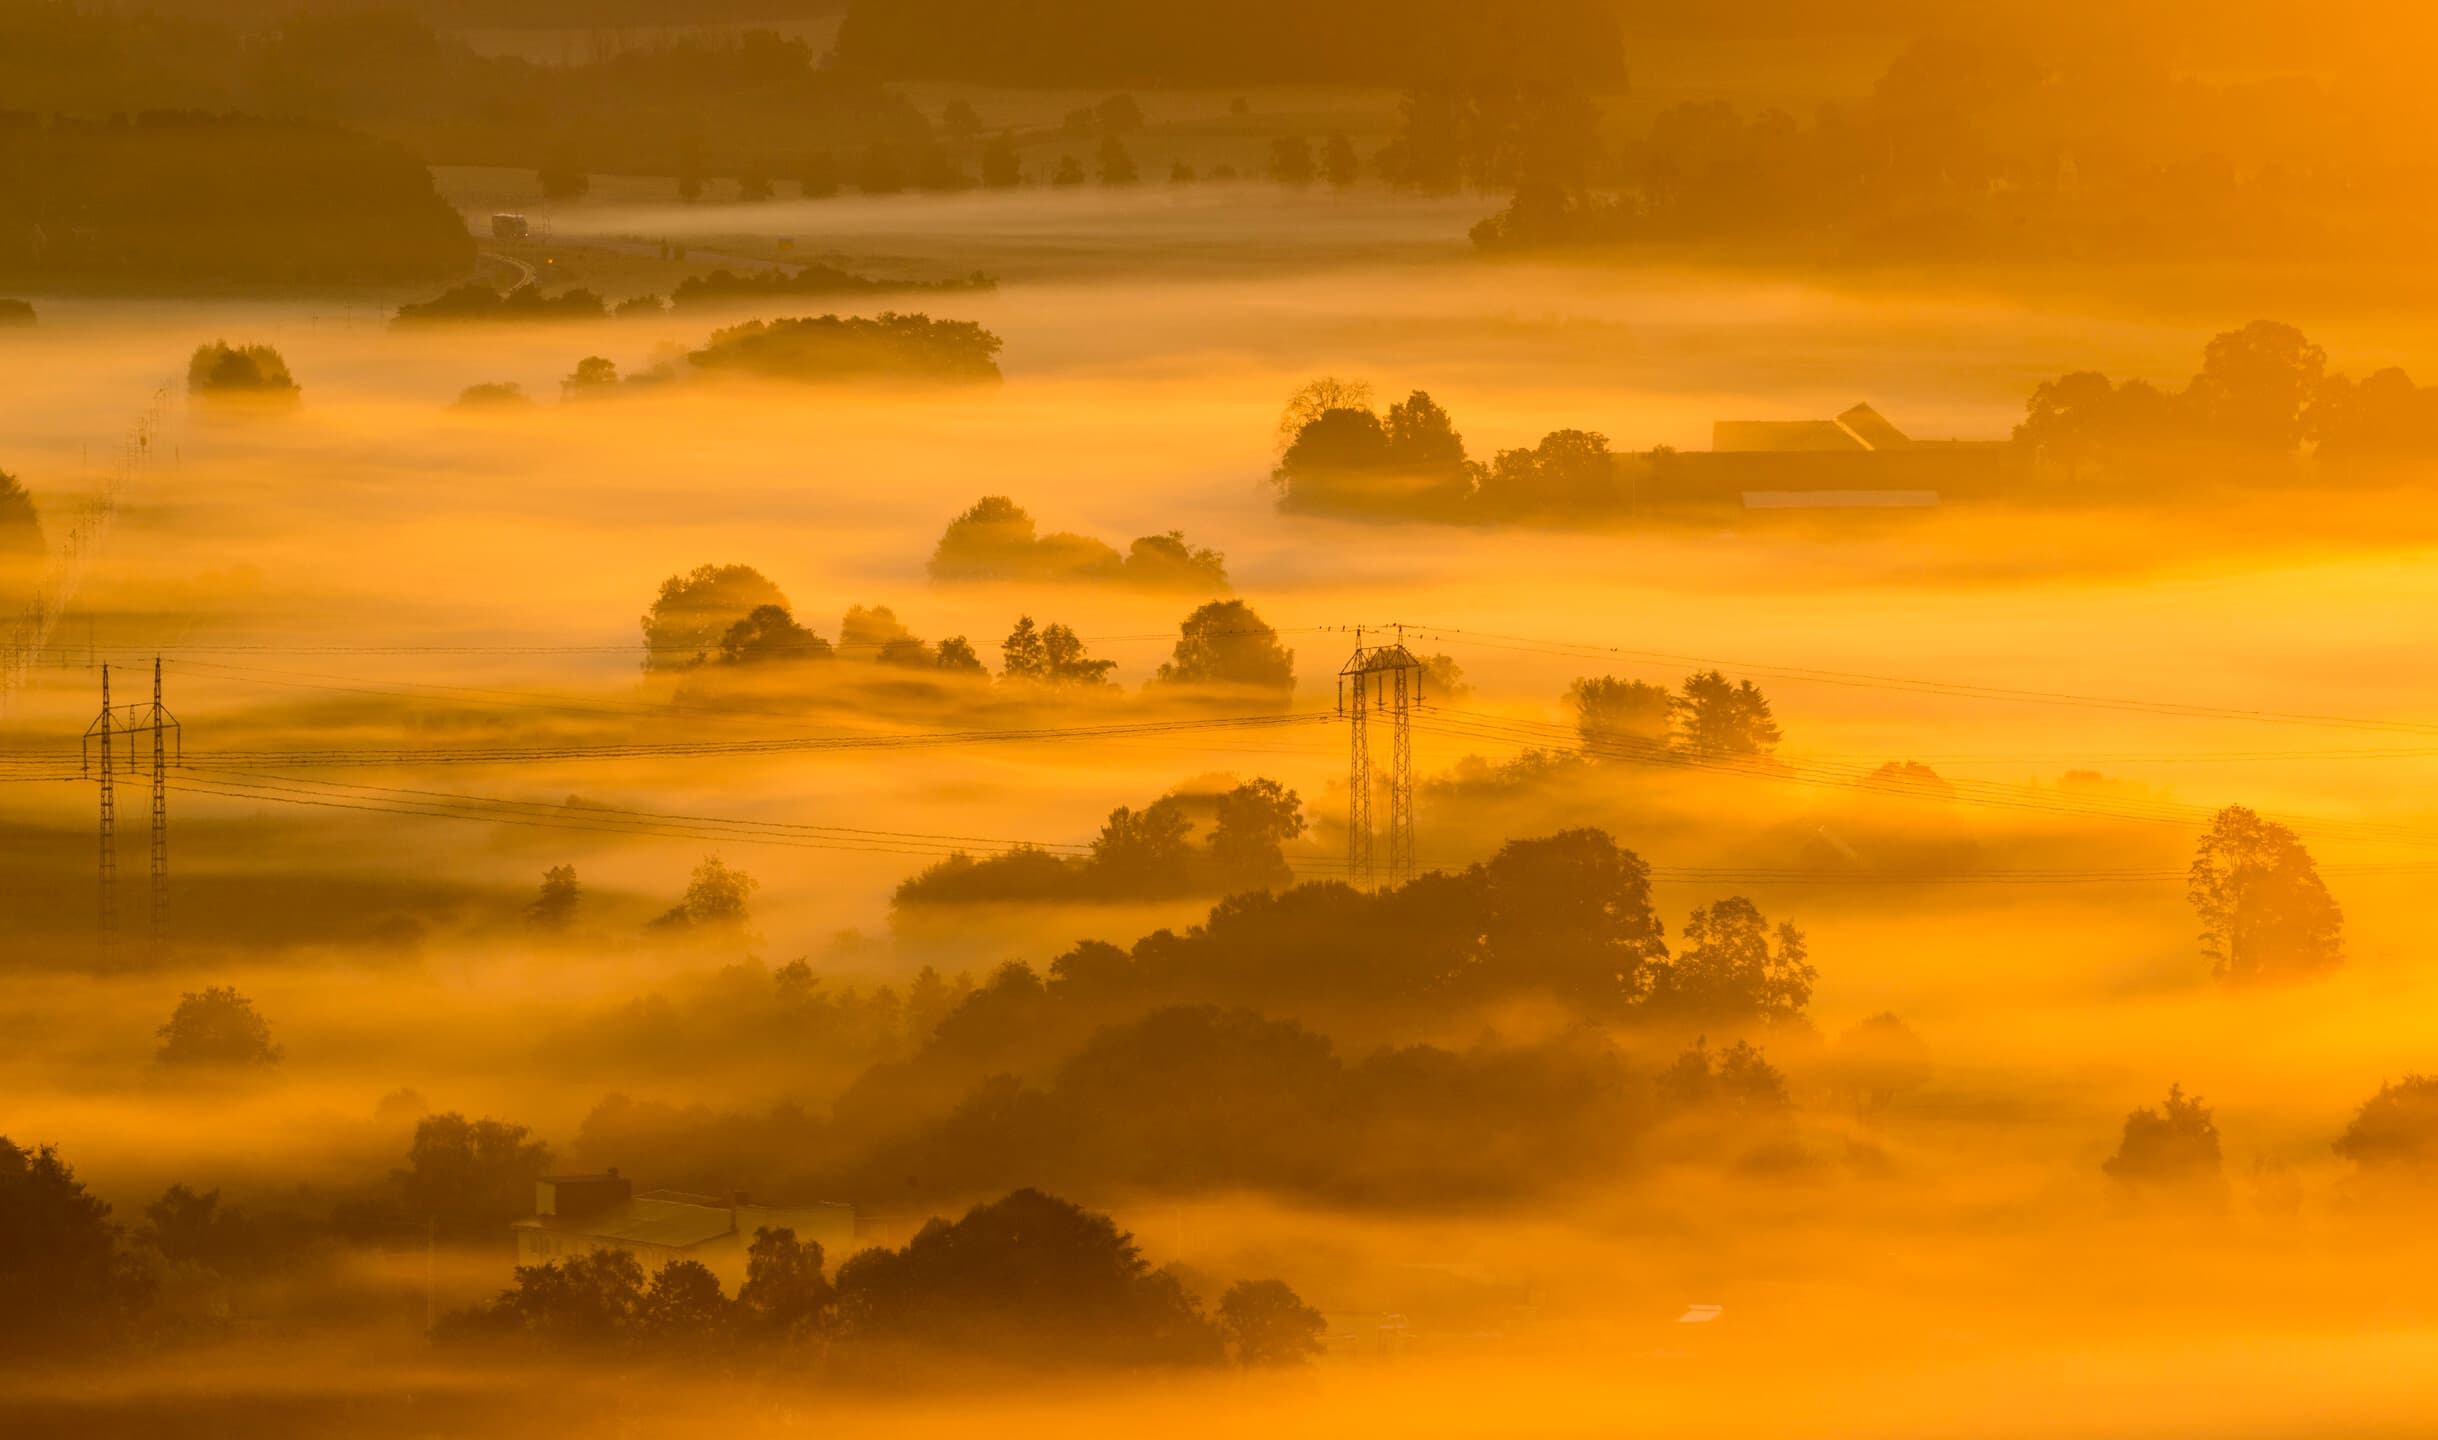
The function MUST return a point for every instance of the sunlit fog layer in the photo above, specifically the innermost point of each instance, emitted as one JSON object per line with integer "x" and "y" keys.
{"x": 774, "y": 903}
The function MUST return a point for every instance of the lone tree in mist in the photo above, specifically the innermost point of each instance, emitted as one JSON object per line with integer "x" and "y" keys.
{"x": 1267, "y": 1324}
{"x": 554, "y": 908}
{"x": 2174, "y": 1147}
{"x": 2395, "y": 1133}
{"x": 215, "y": 1027}
{"x": 717, "y": 900}
{"x": 20, "y": 525}
{"x": 1226, "y": 643}
{"x": 1620, "y": 715}
{"x": 239, "y": 371}
{"x": 2265, "y": 913}
{"x": 1716, "y": 719}
{"x": 695, "y": 612}
{"x": 1318, "y": 398}
{"x": 2256, "y": 385}
{"x": 1878, "y": 1059}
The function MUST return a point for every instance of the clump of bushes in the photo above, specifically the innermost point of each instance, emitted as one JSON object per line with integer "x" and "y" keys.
{"x": 226, "y": 371}
{"x": 832, "y": 347}
{"x": 481, "y": 302}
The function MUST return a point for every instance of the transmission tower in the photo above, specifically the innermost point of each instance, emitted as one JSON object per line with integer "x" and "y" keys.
{"x": 1388, "y": 679}
{"x": 101, "y": 742}
{"x": 163, "y": 724}
{"x": 106, "y": 921}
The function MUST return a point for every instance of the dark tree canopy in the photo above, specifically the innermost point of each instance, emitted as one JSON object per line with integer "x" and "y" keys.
{"x": 1267, "y": 1324}
{"x": 216, "y": 1027}
{"x": 1620, "y": 715}
{"x": 219, "y": 368}
{"x": 995, "y": 539}
{"x": 20, "y": 524}
{"x": 2395, "y": 1133}
{"x": 61, "y": 1269}
{"x": 695, "y": 613}
{"x": 891, "y": 347}
{"x": 2174, "y": 1147}
{"x": 471, "y": 1176}
{"x": 1226, "y": 643}
{"x": 1727, "y": 968}
{"x": 1028, "y": 1278}
{"x": 2265, "y": 913}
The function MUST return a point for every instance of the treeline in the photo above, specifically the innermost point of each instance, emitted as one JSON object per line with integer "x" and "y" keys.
{"x": 1343, "y": 457}
{"x": 2264, "y": 396}
{"x": 1995, "y": 137}
{"x": 188, "y": 196}
{"x": 1116, "y": 42}
{"x": 752, "y": 104}
{"x": 733, "y": 617}
{"x": 889, "y": 348}
{"x": 1146, "y": 854}
{"x": 1027, "y": 1280}
{"x": 997, "y": 539}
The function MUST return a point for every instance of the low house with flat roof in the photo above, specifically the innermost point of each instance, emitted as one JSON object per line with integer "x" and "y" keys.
{"x": 1858, "y": 460}
{"x": 577, "y": 1214}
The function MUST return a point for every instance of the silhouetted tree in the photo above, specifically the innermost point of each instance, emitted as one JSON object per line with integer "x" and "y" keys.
{"x": 683, "y": 1306}
{"x": 882, "y": 170}
{"x": 1052, "y": 655}
{"x": 2395, "y": 1133}
{"x": 753, "y": 186}
{"x": 1026, "y": 1278}
{"x": 472, "y": 1176}
{"x": 956, "y": 657}
{"x": 768, "y": 633}
{"x": 1142, "y": 852}
{"x": 959, "y": 120}
{"x": 1572, "y": 912}
{"x": 1318, "y": 398}
{"x": 1254, "y": 822}
{"x": 1268, "y": 1324}
{"x": 1226, "y": 643}
{"x": 717, "y": 901}
{"x": 1070, "y": 171}
{"x": 2265, "y": 913}
{"x": 60, "y": 1264}
{"x": 2172, "y": 1148}
{"x": 1570, "y": 475}
{"x": 2256, "y": 384}
{"x": 1116, "y": 163}
{"x": 215, "y": 1026}
{"x": 239, "y": 371}
{"x": 1716, "y": 719}
{"x": 20, "y": 525}
{"x": 554, "y": 909}
{"x": 785, "y": 1294}
{"x": 1727, "y": 970}
{"x": 594, "y": 376}
{"x": 695, "y": 612}
{"x": 1620, "y": 715}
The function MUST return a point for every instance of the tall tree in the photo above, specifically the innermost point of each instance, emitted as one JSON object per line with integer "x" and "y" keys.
{"x": 1718, "y": 719}
{"x": 2265, "y": 913}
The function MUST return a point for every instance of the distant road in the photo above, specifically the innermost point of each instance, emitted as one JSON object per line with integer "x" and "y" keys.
{"x": 525, "y": 273}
